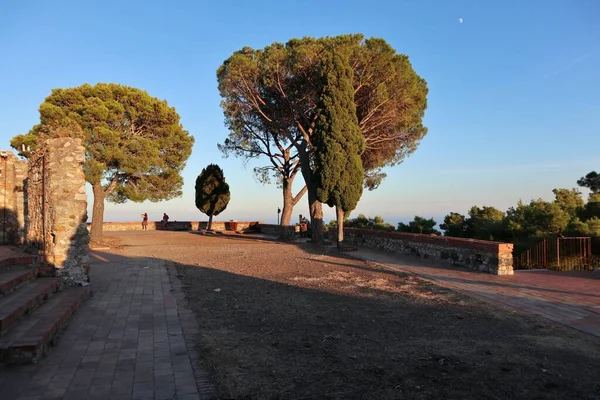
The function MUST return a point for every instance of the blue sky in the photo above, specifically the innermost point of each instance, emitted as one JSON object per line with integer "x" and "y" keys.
{"x": 514, "y": 90}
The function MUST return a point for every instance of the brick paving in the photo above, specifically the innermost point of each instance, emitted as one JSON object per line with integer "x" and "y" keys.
{"x": 569, "y": 298}
{"x": 133, "y": 339}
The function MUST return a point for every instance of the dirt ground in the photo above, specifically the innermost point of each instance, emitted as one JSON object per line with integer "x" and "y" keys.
{"x": 295, "y": 321}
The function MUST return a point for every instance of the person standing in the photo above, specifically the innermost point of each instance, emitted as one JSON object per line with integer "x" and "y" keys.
{"x": 165, "y": 220}
{"x": 145, "y": 221}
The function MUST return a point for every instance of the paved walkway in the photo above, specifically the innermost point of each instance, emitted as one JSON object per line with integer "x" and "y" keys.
{"x": 572, "y": 299}
{"x": 133, "y": 339}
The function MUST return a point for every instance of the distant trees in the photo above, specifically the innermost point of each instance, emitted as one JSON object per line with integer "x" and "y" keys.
{"x": 419, "y": 225}
{"x": 271, "y": 96}
{"x": 539, "y": 218}
{"x": 485, "y": 223}
{"x": 569, "y": 200}
{"x": 455, "y": 224}
{"x": 568, "y": 214}
{"x": 363, "y": 222}
{"x": 212, "y": 192}
{"x": 591, "y": 181}
{"x": 135, "y": 145}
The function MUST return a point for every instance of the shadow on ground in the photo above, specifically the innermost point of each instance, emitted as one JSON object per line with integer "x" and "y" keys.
{"x": 343, "y": 330}
{"x": 279, "y": 321}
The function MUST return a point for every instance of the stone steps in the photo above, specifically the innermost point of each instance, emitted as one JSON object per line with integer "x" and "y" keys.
{"x": 25, "y": 259}
{"x": 29, "y": 341}
{"x": 9, "y": 280}
{"x": 26, "y": 299}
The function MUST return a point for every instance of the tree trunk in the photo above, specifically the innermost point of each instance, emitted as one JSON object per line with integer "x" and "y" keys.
{"x": 316, "y": 217}
{"x": 288, "y": 202}
{"x": 340, "y": 227}
{"x": 314, "y": 205}
{"x": 209, "y": 222}
{"x": 97, "y": 213}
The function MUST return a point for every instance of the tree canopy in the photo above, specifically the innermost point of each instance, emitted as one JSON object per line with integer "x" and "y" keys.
{"x": 569, "y": 200}
{"x": 591, "y": 181}
{"x": 212, "y": 192}
{"x": 271, "y": 96}
{"x": 455, "y": 224}
{"x": 485, "y": 223}
{"x": 135, "y": 144}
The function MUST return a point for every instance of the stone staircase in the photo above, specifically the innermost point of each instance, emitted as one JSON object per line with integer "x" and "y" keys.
{"x": 35, "y": 308}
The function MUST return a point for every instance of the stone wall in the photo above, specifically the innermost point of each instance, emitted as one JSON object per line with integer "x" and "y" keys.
{"x": 12, "y": 214}
{"x": 478, "y": 255}
{"x": 179, "y": 226}
{"x": 57, "y": 207}
{"x": 285, "y": 232}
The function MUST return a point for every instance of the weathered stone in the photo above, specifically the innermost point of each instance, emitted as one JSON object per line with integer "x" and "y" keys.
{"x": 57, "y": 211}
{"x": 478, "y": 255}
{"x": 12, "y": 203}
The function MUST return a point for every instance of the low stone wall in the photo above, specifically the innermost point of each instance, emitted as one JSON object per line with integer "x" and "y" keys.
{"x": 479, "y": 255}
{"x": 178, "y": 226}
{"x": 285, "y": 232}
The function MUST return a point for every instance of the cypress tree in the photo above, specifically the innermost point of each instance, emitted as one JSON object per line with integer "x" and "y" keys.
{"x": 338, "y": 141}
{"x": 212, "y": 192}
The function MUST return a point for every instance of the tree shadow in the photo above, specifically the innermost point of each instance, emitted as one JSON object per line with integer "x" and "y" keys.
{"x": 308, "y": 339}
{"x": 269, "y": 338}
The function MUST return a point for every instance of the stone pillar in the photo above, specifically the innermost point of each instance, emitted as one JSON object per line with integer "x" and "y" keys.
{"x": 57, "y": 207}
{"x": 67, "y": 208}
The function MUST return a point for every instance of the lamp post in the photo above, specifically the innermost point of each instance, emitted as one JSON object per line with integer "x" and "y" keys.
{"x": 278, "y": 212}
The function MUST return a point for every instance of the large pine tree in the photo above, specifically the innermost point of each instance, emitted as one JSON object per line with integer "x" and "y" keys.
{"x": 338, "y": 141}
{"x": 135, "y": 145}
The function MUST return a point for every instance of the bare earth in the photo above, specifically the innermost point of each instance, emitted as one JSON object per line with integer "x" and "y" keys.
{"x": 296, "y": 321}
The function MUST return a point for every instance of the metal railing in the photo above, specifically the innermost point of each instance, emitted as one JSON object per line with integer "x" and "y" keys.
{"x": 560, "y": 254}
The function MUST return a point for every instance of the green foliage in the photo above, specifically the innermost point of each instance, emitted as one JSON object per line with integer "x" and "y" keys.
{"x": 419, "y": 225}
{"x": 485, "y": 223}
{"x": 526, "y": 224}
{"x": 269, "y": 97}
{"x": 577, "y": 227}
{"x": 212, "y": 192}
{"x": 363, "y": 222}
{"x": 591, "y": 181}
{"x": 591, "y": 208}
{"x": 338, "y": 142}
{"x": 538, "y": 218}
{"x": 135, "y": 143}
{"x": 569, "y": 200}
{"x": 455, "y": 224}
{"x": 593, "y": 226}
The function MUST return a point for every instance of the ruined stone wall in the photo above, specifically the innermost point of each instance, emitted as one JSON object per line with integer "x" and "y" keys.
{"x": 12, "y": 222}
{"x": 57, "y": 207}
{"x": 67, "y": 208}
{"x": 36, "y": 203}
{"x": 478, "y": 255}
